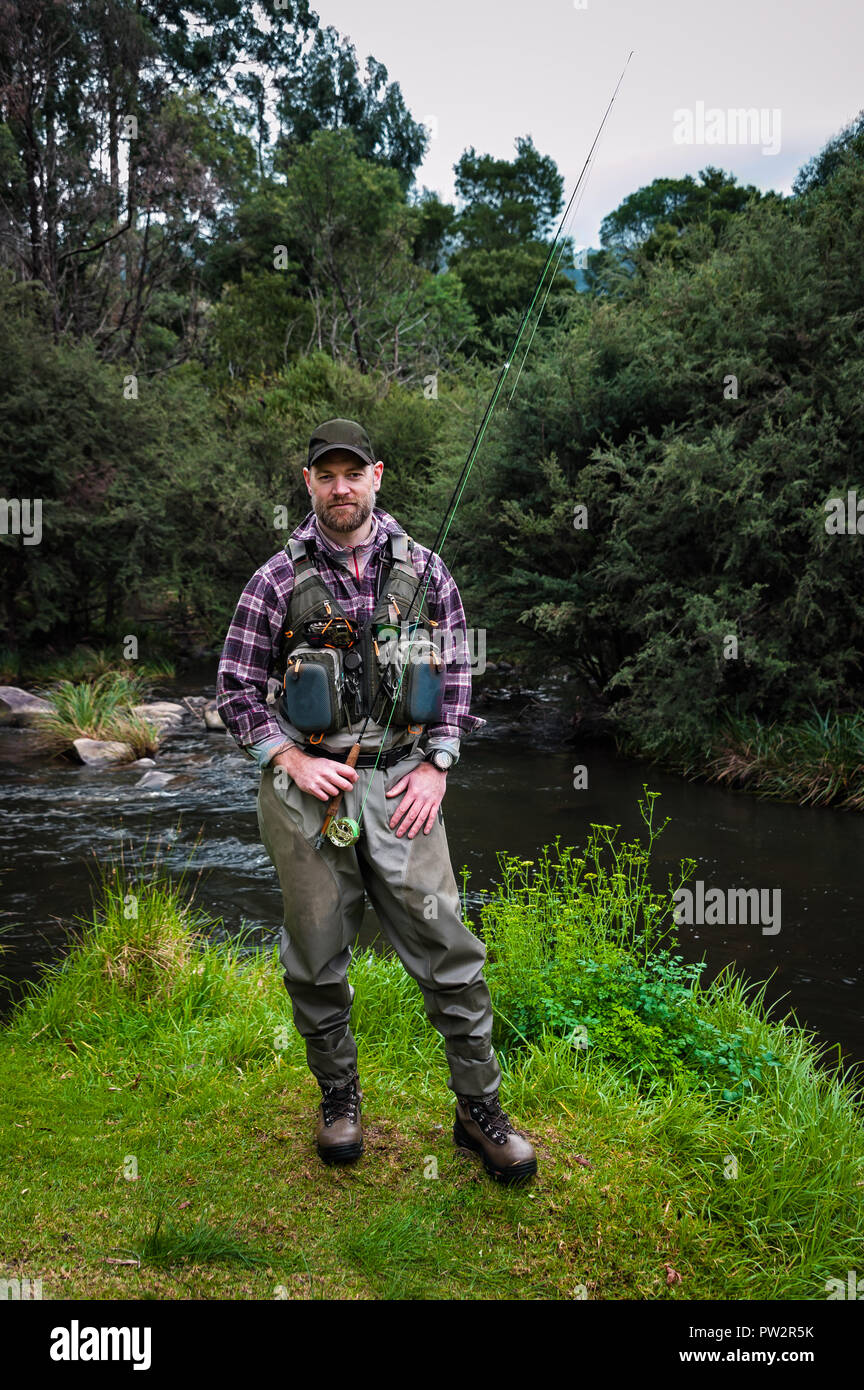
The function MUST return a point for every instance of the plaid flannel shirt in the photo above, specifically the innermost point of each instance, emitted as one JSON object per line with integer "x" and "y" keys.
{"x": 252, "y": 645}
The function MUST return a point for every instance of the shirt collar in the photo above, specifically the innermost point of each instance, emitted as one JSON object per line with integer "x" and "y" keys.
{"x": 342, "y": 551}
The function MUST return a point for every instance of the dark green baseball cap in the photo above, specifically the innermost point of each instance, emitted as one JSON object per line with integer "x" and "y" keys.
{"x": 340, "y": 434}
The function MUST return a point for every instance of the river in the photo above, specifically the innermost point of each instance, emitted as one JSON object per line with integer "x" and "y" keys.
{"x": 512, "y": 790}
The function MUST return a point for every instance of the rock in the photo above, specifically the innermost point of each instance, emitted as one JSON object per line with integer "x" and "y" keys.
{"x": 97, "y": 752}
{"x": 212, "y": 717}
{"x": 145, "y": 762}
{"x": 20, "y": 707}
{"x": 18, "y": 744}
{"x": 162, "y": 713}
{"x": 153, "y": 781}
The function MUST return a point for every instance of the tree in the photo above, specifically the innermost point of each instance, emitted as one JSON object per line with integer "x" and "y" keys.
{"x": 849, "y": 144}
{"x": 506, "y": 201}
{"x": 434, "y": 237}
{"x": 674, "y": 203}
{"x": 508, "y": 210}
{"x": 353, "y": 279}
{"x": 326, "y": 91}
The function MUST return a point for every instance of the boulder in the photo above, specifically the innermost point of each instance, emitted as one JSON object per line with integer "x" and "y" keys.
{"x": 145, "y": 762}
{"x": 97, "y": 752}
{"x": 19, "y": 707}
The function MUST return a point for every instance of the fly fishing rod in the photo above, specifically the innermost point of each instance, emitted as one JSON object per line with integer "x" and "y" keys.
{"x": 343, "y": 831}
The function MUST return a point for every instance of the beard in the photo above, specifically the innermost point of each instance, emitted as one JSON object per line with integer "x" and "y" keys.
{"x": 345, "y": 518}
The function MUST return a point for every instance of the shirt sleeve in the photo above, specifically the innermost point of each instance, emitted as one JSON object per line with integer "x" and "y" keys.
{"x": 247, "y": 661}
{"x": 445, "y": 607}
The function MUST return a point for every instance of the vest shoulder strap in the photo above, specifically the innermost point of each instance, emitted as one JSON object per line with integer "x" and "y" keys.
{"x": 298, "y": 551}
{"x": 399, "y": 547}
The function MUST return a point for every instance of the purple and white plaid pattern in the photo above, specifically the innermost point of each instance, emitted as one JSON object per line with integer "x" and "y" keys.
{"x": 252, "y": 644}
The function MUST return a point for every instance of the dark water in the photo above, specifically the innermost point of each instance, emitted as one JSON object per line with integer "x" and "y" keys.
{"x": 507, "y": 793}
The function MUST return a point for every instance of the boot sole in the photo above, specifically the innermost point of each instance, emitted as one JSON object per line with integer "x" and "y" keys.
{"x": 517, "y": 1172}
{"x": 344, "y": 1153}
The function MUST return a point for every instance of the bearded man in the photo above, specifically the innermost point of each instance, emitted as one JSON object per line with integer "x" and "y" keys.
{"x": 322, "y": 616}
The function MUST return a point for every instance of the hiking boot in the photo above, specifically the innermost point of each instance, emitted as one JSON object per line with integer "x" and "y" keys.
{"x": 482, "y": 1127}
{"x": 339, "y": 1134}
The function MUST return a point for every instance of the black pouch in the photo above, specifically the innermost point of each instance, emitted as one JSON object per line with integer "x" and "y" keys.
{"x": 311, "y": 692}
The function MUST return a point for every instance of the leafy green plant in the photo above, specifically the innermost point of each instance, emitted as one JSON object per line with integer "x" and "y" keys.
{"x": 581, "y": 946}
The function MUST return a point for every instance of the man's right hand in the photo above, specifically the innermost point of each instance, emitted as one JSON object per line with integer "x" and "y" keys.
{"x": 321, "y": 777}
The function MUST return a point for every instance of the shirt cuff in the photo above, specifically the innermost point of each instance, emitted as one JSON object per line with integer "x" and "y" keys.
{"x": 460, "y": 726}
{"x": 266, "y": 748}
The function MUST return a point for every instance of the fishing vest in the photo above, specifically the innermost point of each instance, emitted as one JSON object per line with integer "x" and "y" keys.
{"x": 333, "y": 667}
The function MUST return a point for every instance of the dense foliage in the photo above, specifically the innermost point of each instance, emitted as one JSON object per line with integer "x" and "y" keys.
{"x": 211, "y": 238}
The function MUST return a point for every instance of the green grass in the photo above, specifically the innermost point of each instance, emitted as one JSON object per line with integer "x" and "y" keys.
{"x": 817, "y": 761}
{"x": 157, "y": 1117}
{"x": 101, "y": 709}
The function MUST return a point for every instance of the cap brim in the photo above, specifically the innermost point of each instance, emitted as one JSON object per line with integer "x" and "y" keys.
{"x": 336, "y": 448}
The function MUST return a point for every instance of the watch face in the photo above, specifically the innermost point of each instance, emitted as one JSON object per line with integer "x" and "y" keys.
{"x": 442, "y": 760}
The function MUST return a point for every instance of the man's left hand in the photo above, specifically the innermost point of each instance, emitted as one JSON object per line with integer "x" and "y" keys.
{"x": 424, "y": 790}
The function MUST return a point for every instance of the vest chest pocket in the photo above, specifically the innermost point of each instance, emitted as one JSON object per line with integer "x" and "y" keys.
{"x": 312, "y": 690}
{"x": 422, "y": 693}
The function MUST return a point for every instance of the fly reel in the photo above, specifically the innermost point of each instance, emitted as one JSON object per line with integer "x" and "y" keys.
{"x": 343, "y": 832}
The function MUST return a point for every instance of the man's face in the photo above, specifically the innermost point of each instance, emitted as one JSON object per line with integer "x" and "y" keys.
{"x": 343, "y": 489}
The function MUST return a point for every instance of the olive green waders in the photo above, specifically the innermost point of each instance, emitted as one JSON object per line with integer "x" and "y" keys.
{"x": 411, "y": 886}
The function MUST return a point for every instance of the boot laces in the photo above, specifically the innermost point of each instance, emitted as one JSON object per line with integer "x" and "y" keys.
{"x": 340, "y": 1103}
{"x": 486, "y": 1112}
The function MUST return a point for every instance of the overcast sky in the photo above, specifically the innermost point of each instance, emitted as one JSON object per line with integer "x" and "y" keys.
{"x": 485, "y": 71}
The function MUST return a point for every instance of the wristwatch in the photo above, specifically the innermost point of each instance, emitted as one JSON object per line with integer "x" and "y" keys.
{"x": 440, "y": 758}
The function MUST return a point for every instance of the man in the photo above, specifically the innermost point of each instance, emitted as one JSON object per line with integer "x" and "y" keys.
{"x": 317, "y": 614}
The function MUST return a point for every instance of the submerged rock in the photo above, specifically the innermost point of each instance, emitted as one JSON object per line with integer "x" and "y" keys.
{"x": 153, "y": 781}
{"x": 97, "y": 752}
{"x": 18, "y": 744}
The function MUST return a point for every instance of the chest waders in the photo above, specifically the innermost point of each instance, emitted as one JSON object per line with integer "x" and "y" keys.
{"x": 336, "y": 672}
